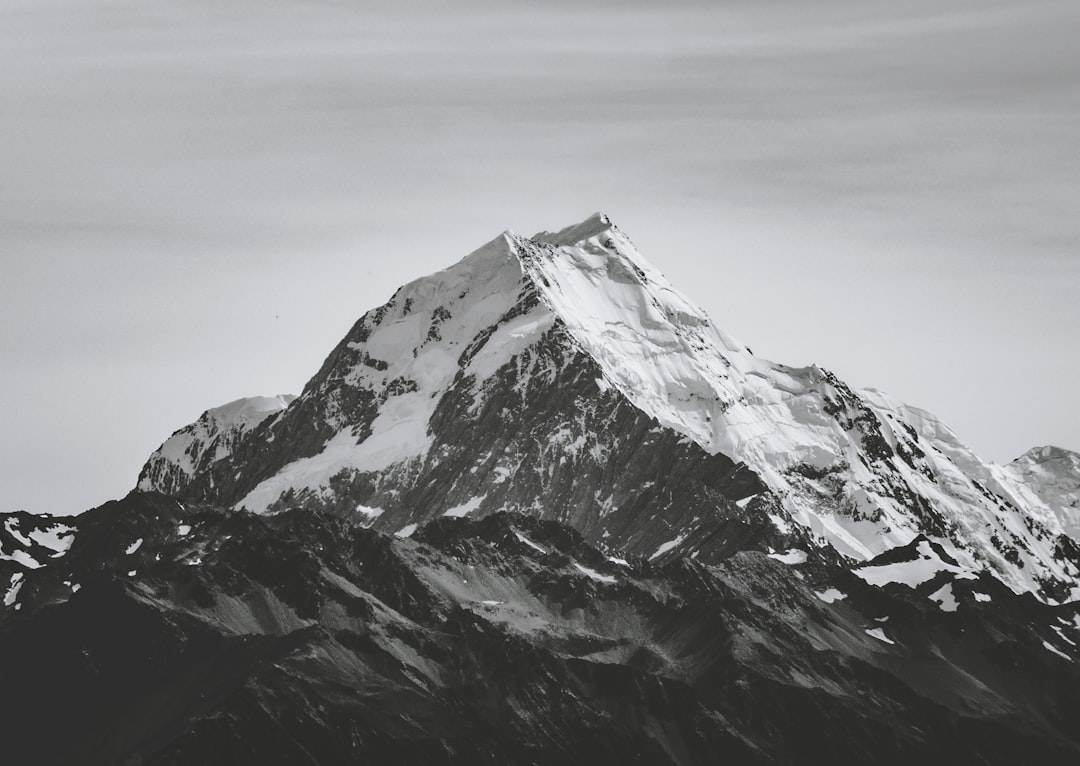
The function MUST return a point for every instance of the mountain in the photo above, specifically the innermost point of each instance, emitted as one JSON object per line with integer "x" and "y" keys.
{"x": 194, "y": 448}
{"x": 562, "y": 376}
{"x": 1053, "y": 474}
{"x": 164, "y": 633}
{"x": 537, "y": 509}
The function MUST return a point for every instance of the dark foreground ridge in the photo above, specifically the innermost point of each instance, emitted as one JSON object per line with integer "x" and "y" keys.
{"x": 305, "y": 638}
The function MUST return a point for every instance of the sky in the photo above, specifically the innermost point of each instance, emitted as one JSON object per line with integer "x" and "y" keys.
{"x": 198, "y": 198}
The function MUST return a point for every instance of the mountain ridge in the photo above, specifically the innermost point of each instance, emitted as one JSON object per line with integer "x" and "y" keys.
{"x": 580, "y": 313}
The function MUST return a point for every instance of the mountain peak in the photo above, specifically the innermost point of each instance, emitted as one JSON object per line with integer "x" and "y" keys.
{"x": 514, "y": 380}
{"x": 594, "y": 226}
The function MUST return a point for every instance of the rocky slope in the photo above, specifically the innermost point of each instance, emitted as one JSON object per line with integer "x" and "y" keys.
{"x": 563, "y": 377}
{"x": 174, "y": 633}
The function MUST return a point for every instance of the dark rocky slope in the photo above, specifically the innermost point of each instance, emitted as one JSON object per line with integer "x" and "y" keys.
{"x": 303, "y": 637}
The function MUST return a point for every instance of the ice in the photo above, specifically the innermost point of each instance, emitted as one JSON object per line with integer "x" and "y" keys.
{"x": 793, "y": 556}
{"x": 830, "y": 595}
{"x": 406, "y": 530}
{"x": 879, "y": 634}
{"x": 592, "y": 573}
{"x": 465, "y": 508}
{"x": 133, "y": 547}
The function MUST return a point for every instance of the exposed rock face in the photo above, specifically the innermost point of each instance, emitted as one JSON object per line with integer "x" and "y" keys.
{"x": 563, "y": 377}
{"x": 169, "y": 633}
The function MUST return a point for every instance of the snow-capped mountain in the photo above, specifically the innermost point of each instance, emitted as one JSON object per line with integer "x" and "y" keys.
{"x": 194, "y": 448}
{"x": 562, "y": 376}
{"x": 1053, "y": 474}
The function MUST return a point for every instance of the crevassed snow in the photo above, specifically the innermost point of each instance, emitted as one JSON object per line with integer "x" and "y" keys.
{"x": 406, "y": 530}
{"x": 830, "y": 595}
{"x": 465, "y": 508}
{"x": 665, "y": 547}
{"x": 529, "y": 542}
{"x": 793, "y": 556}
{"x": 787, "y": 424}
{"x": 1053, "y": 475}
{"x": 879, "y": 634}
{"x": 133, "y": 547}
{"x": 944, "y": 598}
{"x": 592, "y": 573}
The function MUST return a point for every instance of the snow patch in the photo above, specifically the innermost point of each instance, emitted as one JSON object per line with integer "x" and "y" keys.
{"x": 879, "y": 634}
{"x": 830, "y": 595}
{"x": 944, "y": 598}
{"x": 371, "y": 513}
{"x": 982, "y": 598}
{"x": 792, "y": 556}
{"x": 13, "y": 589}
{"x": 594, "y": 574}
{"x": 529, "y": 542}
{"x": 183, "y": 530}
{"x": 133, "y": 547}
{"x": 915, "y": 572}
{"x": 406, "y": 530}
{"x": 465, "y": 509}
{"x": 1051, "y": 648}
{"x": 665, "y": 547}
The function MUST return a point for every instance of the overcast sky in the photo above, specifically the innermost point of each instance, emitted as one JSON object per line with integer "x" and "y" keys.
{"x": 199, "y": 197}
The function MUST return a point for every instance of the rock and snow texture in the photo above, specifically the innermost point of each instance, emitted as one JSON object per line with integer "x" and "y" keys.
{"x": 210, "y": 438}
{"x": 1053, "y": 474}
{"x": 515, "y": 379}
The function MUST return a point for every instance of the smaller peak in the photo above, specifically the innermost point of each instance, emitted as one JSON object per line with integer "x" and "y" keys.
{"x": 1047, "y": 453}
{"x": 596, "y": 224}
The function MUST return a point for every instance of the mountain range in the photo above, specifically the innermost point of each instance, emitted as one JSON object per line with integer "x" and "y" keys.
{"x": 537, "y": 508}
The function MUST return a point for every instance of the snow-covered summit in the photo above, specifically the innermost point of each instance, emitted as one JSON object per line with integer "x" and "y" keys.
{"x": 1053, "y": 473}
{"x": 427, "y": 399}
{"x": 207, "y": 440}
